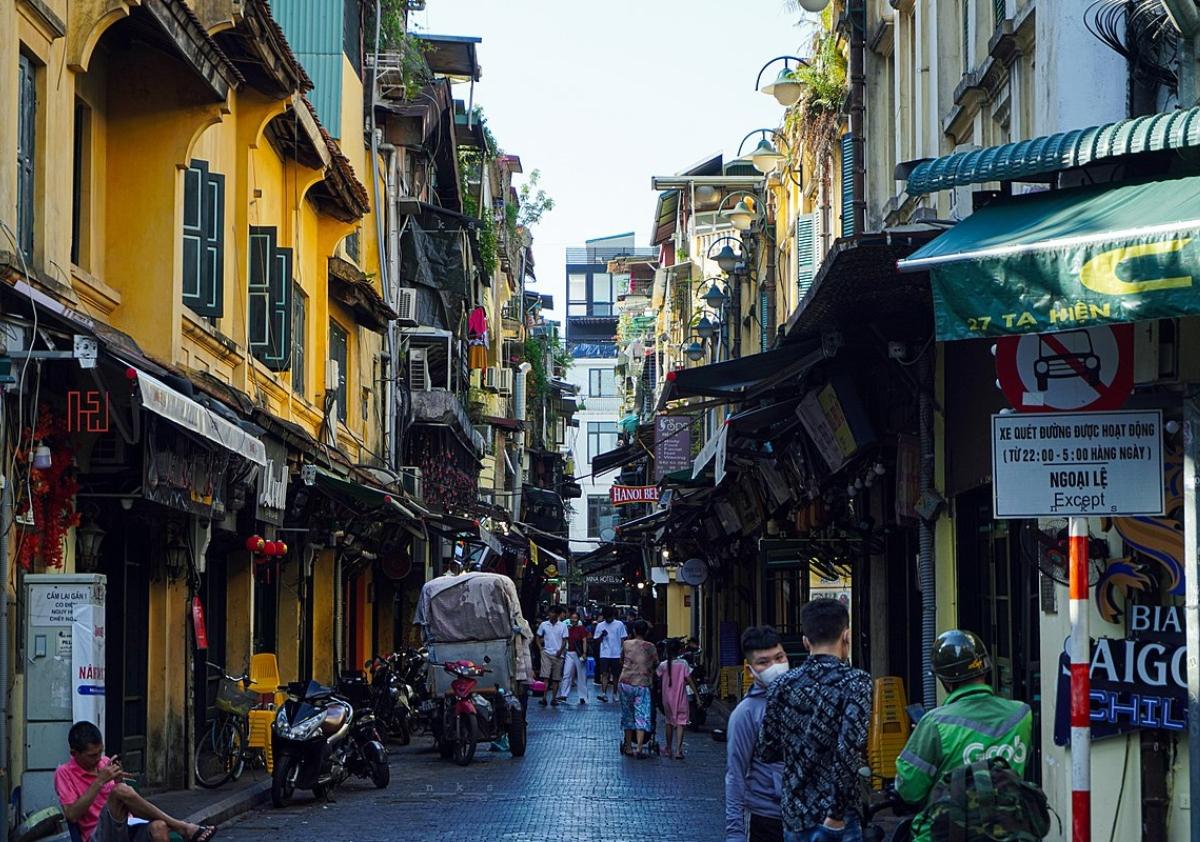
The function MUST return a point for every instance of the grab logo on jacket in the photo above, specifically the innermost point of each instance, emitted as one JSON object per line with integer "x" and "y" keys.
{"x": 1014, "y": 753}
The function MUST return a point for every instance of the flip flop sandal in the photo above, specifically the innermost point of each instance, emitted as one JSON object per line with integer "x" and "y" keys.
{"x": 204, "y": 834}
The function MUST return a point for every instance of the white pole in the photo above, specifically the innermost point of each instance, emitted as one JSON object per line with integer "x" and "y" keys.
{"x": 1080, "y": 652}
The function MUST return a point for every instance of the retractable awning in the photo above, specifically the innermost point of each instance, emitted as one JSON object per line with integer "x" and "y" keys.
{"x": 192, "y": 416}
{"x": 735, "y": 379}
{"x": 1067, "y": 259}
{"x": 1038, "y": 158}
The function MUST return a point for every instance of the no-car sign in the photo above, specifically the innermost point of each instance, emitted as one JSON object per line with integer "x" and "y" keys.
{"x": 1070, "y": 371}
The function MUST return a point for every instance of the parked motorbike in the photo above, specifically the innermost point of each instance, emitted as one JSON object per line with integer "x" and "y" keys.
{"x": 698, "y": 704}
{"x": 310, "y": 741}
{"x": 367, "y": 758}
{"x": 391, "y": 697}
{"x": 873, "y": 803}
{"x": 463, "y": 717}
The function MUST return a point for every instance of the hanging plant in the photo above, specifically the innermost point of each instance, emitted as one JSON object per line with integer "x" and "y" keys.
{"x": 814, "y": 124}
{"x": 51, "y": 494}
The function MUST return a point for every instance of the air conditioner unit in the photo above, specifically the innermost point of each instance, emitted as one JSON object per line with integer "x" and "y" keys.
{"x": 406, "y": 308}
{"x": 505, "y": 381}
{"x": 418, "y": 370}
{"x": 491, "y": 378}
{"x": 410, "y": 479}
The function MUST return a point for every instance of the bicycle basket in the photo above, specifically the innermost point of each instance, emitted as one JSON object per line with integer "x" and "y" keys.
{"x": 231, "y": 698}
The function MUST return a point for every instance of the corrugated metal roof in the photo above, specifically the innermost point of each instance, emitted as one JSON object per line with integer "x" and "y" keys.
{"x": 1042, "y": 155}
{"x": 314, "y": 32}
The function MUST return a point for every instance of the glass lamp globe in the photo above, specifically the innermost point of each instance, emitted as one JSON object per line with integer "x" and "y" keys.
{"x": 765, "y": 157}
{"x": 740, "y": 216}
{"x": 727, "y": 259}
{"x": 785, "y": 89}
{"x": 695, "y": 351}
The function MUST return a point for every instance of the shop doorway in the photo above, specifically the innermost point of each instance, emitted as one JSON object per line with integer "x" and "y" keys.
{"x": 213, "y": 593}
{"x": 785, "y": 587}
{"x": 998, "y": 600}
{"x": 126, "y": 651}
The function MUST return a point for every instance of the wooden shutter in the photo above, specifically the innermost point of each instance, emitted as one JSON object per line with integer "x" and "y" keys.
{"x": 1000, "y": 10}
{"x": 270, "y": 299}
{"x": 299, "y": 333}
{"x": 203, "y": 240}
{"x": 26, "y": 141}
{"x": 338, "y": 352}
{"x": 848, "y": 186}
{"x": 805, "y": 253}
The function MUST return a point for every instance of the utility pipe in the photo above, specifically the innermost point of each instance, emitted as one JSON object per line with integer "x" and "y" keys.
{"x": 926, "y": 573}
{"x": 858, "y": 87}
{"x": 390, "y": 295}
{"x": 1081, "y": 683}
{"x": 386, "y": 277}
{"x": 5, "y": 765}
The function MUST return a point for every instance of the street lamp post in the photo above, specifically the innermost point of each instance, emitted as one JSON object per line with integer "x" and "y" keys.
{"x": 786, "y": 88}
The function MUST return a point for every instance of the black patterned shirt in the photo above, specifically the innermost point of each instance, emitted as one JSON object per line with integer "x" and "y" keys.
{"x": 816, "y": 724}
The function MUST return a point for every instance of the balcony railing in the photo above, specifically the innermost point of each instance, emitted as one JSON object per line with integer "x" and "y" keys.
{"x": 603, "y": 254}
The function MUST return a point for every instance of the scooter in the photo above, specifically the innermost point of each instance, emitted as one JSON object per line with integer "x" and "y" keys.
{"x": 872, "y": 805}
{"x": 391, "y": 698}
{"x": 310, "y": 741}
{"x": 367, "y": 758}
{"x": 466, "y": 717}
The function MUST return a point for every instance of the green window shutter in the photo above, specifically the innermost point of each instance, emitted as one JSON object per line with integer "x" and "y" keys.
{"x": 203, "y": 240}
{"x": 805, "y": 252}
{"x": 966, "y": 35}
{"x": 26, "y": 143}
{"x": 299, "y": 335}
{"x": 270, "y": 299}
{"x": 848, "y": 186}
{"x": 998, "y": 6}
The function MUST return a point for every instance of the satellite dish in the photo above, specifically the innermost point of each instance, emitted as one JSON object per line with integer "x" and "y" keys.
{"x": 608, "y": 534}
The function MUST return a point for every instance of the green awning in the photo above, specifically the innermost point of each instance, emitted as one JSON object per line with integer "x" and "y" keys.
{"x": 1067, "y": 259}
{"x": 1043, "y": 155}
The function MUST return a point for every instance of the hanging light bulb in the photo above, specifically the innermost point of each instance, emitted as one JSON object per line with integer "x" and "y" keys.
{"x": 41, "y": 457}
{"x": 851, "y": 490}
{"x": 880, "y": 469}
{"x": 695, "y": 351}
{"x": 858, "y": 483}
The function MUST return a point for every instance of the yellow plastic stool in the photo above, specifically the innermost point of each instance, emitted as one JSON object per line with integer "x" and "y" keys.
{"x": 260, "y": 734}
{"x": 889, "y": 726}
{"x": 264, "y": 676}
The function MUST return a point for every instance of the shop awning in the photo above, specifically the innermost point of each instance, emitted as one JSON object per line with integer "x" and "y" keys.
{"x": 1033, "y": 160}
{"x": 637, "y": 450}
{"x": 1067, "y": 259}
{"x": 735, "y": 379}
{"x": 181, "y": 410}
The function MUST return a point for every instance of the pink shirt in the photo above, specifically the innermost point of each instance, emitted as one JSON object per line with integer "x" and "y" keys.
{"x": 71, "y": 781}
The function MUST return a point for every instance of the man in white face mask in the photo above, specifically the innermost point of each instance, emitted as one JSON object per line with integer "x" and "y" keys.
{"x": 752, "y": 788}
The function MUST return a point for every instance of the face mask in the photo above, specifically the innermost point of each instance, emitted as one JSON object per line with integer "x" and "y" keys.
{"x": 767, "y": 677}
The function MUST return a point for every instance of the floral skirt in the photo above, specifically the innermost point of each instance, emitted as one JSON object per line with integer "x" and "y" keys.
{"x": 635, "y": 707}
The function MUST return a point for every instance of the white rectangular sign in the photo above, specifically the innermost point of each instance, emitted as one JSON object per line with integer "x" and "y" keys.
{"x": 1062, "y": 464}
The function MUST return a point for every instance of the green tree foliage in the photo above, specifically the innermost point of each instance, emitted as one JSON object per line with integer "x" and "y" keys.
{"x": 534, "y": 201}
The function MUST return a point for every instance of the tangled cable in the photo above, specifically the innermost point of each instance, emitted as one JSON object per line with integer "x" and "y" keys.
{"x": 1141, "y": 32}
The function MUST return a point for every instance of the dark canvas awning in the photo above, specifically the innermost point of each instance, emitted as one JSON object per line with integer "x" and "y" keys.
{"x": 452, "y": 55}
{"x": 1039, "y": 157}
{"x": 1066, "y": 260}
{"x": 637, "y": 450}
{"x": 736, "y": 379}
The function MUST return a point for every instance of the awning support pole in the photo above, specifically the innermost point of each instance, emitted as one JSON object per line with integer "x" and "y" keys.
{"x": 926, "y": 569}
{"x": 1080, "y": 646}
{"x": 1191, "y": 553}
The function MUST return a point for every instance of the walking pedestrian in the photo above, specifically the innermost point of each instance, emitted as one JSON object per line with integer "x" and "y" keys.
{"x": 552, "y": 634}
{"x": 816, "y": 724}
{"x": 611, "y": 633}
{"x": 752, "y": 789}
{"x": 575, "y": 668}
{"x": 675, "y": 677}
{"x": 638, "y": 659}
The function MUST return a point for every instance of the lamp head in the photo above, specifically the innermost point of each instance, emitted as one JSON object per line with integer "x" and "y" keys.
{"x": 786, "y": 89}
{"x": 727, "y": 259}
{"x": 813, "y": 5}
{"x": 765, "y": 156}
{"x": 707, "y": 195}
{"x": 704, "y": 328}
{"x": 714, "y": 296}
{"x": 694, "y": 351}
{"x": 740, "y": 216}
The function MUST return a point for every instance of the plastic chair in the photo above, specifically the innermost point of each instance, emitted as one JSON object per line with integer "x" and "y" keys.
{"x": 264, "y": 676}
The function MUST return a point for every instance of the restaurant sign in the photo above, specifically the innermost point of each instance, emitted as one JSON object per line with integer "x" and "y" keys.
{"x": 624, "y": 495}
{"x": 181, "y": 473}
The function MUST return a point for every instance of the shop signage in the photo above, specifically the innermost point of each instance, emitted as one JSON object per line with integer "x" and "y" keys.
{"x": 694, "y": 571}
{"x": 273, "y": 483}
{"x": 672, "y": 444}
{"x": 182, "y": 474}
{"x": 199, "y": 628}
{"x": 1135, "y": 684}
{"x": 604, "y": 579}
{"x": 834, "y": 420}
{"x": 1077, "y": 464}
{"x": 714, "y": 448}
{"x": 624, "y": 495}
{"x": 1072, "y": 371}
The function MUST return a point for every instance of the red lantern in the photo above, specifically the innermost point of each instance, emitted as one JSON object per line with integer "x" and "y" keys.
{"x": 280, "y": 548}
{"x": 268, "y": 548}
{"x": 255, "y": 544}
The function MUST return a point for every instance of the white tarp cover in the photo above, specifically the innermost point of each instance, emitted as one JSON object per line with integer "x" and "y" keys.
{"x": 179, "y": 409}
{"x": 475, "y": 606}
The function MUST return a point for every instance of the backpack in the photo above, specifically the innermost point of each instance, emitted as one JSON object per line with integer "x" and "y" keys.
{"x": 987, "y": 801}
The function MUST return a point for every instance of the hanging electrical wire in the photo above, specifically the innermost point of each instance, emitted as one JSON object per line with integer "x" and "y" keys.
{"x": 1142, "y": 33}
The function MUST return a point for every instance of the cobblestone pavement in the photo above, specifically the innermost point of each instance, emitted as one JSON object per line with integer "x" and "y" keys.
{"x": 572, "y": 784}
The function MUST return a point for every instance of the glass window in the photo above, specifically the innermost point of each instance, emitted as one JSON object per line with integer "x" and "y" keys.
{"x": 81, "y": 196}
{"x": 26, "y": 142}
{"x": 602, "y": 294}
{"x": 299, "y": 338}
{"x": 338, "y": 353}
{"x": 602, "y": 437}
{"x": 602, "y": 383}
{"x": 577, "y": 287}
{"x": 601, "y": 515}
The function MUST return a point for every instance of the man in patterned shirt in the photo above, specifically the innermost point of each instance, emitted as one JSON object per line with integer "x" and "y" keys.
{"x": 816, "y": 724}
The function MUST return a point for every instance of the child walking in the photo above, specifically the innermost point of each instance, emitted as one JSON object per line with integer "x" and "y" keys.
{"x": 675, "y": 677}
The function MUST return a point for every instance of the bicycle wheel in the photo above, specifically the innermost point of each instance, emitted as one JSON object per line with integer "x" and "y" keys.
{"x": 219, "y": 753}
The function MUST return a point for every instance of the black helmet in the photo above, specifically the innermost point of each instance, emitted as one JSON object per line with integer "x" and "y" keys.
{"x": 959, "y": 656}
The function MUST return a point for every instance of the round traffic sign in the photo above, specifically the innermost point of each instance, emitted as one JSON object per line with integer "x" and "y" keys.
{"x": 1070, "y": 371}
{"x": 694, "y": 572}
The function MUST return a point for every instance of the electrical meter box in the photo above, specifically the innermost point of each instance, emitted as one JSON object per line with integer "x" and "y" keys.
{"x": 64, "y": 673}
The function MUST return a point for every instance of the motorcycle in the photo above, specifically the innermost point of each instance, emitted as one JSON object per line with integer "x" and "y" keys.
{"x": 698, "y": 704}
{"x": 467, "y": 717}
{"x": 900, "y": 828}
{"x": 391, "y": 697}
{"x": 311, "y": 742}
{"x": 368, "y": 759}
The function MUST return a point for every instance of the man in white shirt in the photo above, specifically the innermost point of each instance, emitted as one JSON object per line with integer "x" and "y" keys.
{"x": 552, "y": 635}
{"x": 611, "y": 633}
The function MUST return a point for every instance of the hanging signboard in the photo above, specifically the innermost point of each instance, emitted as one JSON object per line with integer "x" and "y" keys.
{"x": 1072, "y": 371}
{"x": 273, "y": 483}
{"x": 694, "y": 571}
{"x": 182, "y": 474}
{"x": 1077, "y": 464}
{"x": 834, "y": 419}
{"x": 624, "y": 495}
{"x": 672, "y": 444}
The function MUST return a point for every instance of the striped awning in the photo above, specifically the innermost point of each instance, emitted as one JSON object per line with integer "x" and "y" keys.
{"x": 1043, "y": 155}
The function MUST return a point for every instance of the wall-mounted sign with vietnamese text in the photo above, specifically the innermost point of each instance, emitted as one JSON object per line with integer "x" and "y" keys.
{"x": 624, "y": 495}
{"x": 1077, "y": 464}
{"x": 672, "y": 444}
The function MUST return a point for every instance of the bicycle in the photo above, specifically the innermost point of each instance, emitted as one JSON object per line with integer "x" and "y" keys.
{"x": 222, "y": 752}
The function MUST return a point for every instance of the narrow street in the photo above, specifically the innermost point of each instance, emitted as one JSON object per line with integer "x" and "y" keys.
{"x": 572, "y": 784}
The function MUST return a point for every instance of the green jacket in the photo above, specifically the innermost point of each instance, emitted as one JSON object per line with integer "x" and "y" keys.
{"x": 974, "y": 723}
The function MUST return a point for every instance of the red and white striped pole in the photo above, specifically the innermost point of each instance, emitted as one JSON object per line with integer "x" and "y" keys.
{"x": 1081, "y": 685}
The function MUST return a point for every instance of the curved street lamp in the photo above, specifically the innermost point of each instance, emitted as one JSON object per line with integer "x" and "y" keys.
{"x": 786, "y": 88}
{"x": 742, "y": 215}
{"x": 727, "y": 259}
{"x": 714, "y": 296}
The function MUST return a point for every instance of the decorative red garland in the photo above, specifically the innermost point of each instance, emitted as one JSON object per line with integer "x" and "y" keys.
{"x": 52, "y": 494}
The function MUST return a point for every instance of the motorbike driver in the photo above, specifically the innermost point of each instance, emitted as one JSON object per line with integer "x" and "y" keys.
{"x": 973, "y": 724}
